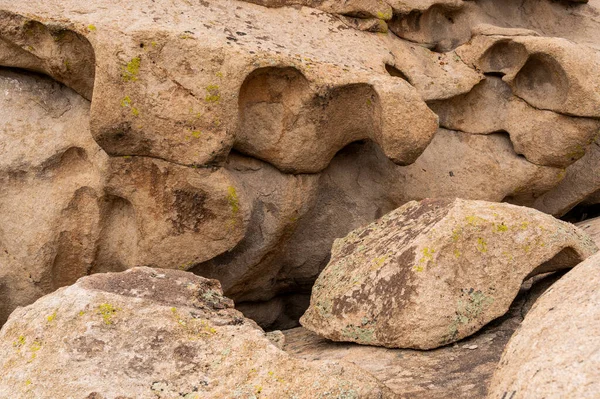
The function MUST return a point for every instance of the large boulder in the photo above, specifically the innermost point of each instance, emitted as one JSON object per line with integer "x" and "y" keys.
{"x": 556, "y": 351}
{"x": 435, "y": 271}
{"x": 148, "y": 333}
{"x": 459, "y": 371}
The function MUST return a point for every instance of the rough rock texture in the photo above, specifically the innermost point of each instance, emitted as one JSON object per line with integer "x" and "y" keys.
{"x": 462, "y": 370}
{"x": 543, "y": 137}
{"x": 443, "y": 28}
{"x": 435, "y": 271}
{"x": 581, "y": 182}
{"x": 592, "y": 228}
{"x": 51, "y": 176}
{"x": 556, "y": 351}
{"x": 239, "y": 141}
{"x": 188, "y": 342}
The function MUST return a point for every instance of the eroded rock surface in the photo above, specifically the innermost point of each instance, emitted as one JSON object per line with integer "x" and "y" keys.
{"x": 556, "y": 351}
{"x": 435, "y": 271}
{"x": 188, "y": 342}
{"x": 51, "y": 176}
{"x": 239, "y": 141}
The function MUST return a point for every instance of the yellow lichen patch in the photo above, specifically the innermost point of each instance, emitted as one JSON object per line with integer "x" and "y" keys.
{"x": 233, "y": 200}
{"x": 500, "y": 228}
{"x": 131, "y": 70}
{"x": 20, "y": 341}
{"x": 92, "y": 28}
{"x": 481, "y": 245}
{"x": 524, "y": 225}
{"x": 50, "y": 318}
{"x": 107, "y": 311}
{"x": 28, "y": 382}
{"x": 126, "y": 101}
{"x": 35, "y": 346}
{"x": 456, "y": 234}
{"x": 457, "y": 253}
{"x": 213, "y": 95}
{"x": 386, "y": 16}
{"x": 81, "y": 313}
{"x": 378, "y": 262}
{"x": 474, "y": 220}
{"x": 196, "y": 134}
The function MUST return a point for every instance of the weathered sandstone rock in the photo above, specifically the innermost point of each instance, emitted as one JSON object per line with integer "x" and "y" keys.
{"x": 51, "y": 176}
{"x": 592, "y": 228}
{"x": 581, "y": 181}
{"x": 543, "y": 137}
{"x": 446, "y": 26}
{"x": 289, "y": 115}
{"x": 462, "y": 370}
{"x": 435, "y": 271}
{"x": 556, "y": 351}
{"x": 148, "y": 333}
{"x": 184, "y": 91}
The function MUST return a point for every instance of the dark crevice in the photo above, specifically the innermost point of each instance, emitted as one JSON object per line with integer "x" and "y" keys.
{"x": 495, "y": 74}
{"x": 395, "y": 72}
{"x": 582, "y": 212}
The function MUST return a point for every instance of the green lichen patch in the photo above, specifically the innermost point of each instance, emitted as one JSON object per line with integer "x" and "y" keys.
{"x": 469, "y": 307}
{"x": 131, "y": 70}
{"x": 359, "y": 333}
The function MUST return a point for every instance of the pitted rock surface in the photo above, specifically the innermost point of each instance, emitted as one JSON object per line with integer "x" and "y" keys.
{"x": 148, "y": 333}
{"x": 435, "y": 271}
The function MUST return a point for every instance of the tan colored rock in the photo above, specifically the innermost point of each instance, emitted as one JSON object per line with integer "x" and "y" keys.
{"x": 444, "y": 28}
{"x": 462, "y": 370}
{"x": 581, "y": 181}
{"x": 297, "y": 219}
{"x": 435, "y": 271}
{"x": 188, "y": 342}
{"x": 591, "y": 227}
{"x": 556, "y": 351}
{"x": 166, "y": 215}
{"x": 51, "y": 176}
{"x": 543, "y": 137}
{"x": 360, "y": 8}
{"x": 173, "y": 88}
{"x": 548, "y": 73}
{"x": 474, "y": 166}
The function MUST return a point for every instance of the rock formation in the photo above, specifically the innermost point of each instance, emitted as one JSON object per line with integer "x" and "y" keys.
{"x": 433, "y": 272}
{"x": 556, "y": 351}
{"x": 460, "y": 371}
{"x": 239, "y": 139}
{"x": 156, "y": 333}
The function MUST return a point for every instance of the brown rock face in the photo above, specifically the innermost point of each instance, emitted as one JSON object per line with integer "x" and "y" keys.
{"x": 435, "y": 271}
{"x": 156, "y": 333}
{"x": 556, "y": 352}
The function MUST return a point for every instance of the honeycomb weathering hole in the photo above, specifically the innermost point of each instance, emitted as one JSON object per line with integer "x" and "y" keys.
{"x": 542, "y": 82}
{"x": 502, "y": 57}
